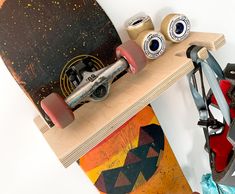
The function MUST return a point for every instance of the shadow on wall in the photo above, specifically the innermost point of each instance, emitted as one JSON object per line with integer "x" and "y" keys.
{"x": 228, "y": 50}
{"x": 179, "y": 118}
{"x": 197, "y": 157}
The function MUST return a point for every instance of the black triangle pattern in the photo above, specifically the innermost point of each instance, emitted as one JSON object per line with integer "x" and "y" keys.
{"x": 146, "y": 166}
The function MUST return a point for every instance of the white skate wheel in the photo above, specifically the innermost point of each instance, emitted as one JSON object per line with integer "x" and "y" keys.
{"x": 138, "y": 24}
{"x": 152, "y": 43}
{"x": 175, "y": 27}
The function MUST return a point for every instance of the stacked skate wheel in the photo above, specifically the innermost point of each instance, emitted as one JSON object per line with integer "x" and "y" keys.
{"x": 174, "y": 28}
{"x": 140, "y": 28}
{"x": 138, "y": 24}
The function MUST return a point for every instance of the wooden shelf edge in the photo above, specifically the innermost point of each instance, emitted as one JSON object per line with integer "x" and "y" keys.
{"x": 119, "y": 121}
{"x": 128, "y": 96}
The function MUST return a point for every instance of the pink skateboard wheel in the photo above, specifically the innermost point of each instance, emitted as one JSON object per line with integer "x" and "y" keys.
{"x": 134, "y": 55}
{"x": 57, "y": 110}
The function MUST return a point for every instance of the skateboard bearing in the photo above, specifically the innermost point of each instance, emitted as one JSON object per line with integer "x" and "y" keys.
{"x": 175, "y": 27}
{"x": 152, "y": 43}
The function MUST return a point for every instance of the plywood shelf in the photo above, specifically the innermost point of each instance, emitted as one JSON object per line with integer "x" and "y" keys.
{"x": 128, "y": 95}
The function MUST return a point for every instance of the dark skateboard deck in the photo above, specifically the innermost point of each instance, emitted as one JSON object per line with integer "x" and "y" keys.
{"x": 40, "y": 40}
{"x": 137, "y": 159}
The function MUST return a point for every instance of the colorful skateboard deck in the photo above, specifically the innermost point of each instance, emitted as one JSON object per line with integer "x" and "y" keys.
{"x": 40, "y": 40}
{"x": 136, "y": 158}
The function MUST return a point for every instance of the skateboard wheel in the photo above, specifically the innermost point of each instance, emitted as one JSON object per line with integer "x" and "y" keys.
{"x": 57, "y": 110}
{"x": 138, "y": 24}
{"x": 133, "y": 54}
{"x": 152, "y": 43}
{"x": 175, "y": 27}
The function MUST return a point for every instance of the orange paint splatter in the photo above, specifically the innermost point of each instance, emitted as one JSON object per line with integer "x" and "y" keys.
{"x": 122, "y": 139}
{"x": 1, "y": 3}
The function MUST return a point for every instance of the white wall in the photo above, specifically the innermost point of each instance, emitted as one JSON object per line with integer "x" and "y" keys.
{"x": 27, "y": 164}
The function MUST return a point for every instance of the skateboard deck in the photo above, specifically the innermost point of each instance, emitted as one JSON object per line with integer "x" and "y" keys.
{"x": 40, "y": 40}
{"x": 136, "y": 158}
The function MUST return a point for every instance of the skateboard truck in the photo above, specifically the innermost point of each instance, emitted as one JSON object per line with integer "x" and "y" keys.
{"x": 74, "y": 73}
{"x": 92, "y": 86}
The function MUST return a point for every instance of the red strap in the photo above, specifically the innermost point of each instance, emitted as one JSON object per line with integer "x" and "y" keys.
{"x": 219, "y": 144}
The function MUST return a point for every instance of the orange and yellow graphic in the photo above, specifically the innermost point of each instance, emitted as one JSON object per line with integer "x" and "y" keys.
{"x": 135, "y": 159}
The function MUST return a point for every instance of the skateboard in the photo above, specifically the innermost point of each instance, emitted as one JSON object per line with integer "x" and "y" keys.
{"x": 59, "y": 57}
{"x": 131, "y": 57}
{"x": 42, "y": 42}
{"x": 136, "y": 158}
{"x": 50, "y": 46}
